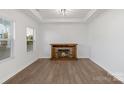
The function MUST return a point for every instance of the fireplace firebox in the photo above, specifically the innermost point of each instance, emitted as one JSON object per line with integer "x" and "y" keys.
{"x": 63, "y": 51}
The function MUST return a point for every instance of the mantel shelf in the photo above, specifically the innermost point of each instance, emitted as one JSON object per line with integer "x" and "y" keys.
{"x": 65, "y": 45}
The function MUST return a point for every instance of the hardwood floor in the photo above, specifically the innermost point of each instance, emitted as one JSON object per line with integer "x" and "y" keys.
{"x": 45, "y": 71}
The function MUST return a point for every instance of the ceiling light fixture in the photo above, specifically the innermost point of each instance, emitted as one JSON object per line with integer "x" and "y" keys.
{"x": 63, "y": 11}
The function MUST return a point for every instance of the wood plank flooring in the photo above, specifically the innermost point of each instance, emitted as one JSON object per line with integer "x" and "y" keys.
{"x": 46, "y": 71}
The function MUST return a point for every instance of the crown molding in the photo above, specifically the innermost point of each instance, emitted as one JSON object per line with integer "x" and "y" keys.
{"x": 37, "y": 14}
{"x": 55, "y": 20}
{"x": 89, "y": 14}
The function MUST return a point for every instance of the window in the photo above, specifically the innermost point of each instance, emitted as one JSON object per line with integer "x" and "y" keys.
{"x": 6, "y": 37}
{"x": 30, "y": 38}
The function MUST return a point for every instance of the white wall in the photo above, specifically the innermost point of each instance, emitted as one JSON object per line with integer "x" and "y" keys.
{"x": 106, "y": 39}
{"x": 64, "y": 33}
{"x": 21, "y": 59}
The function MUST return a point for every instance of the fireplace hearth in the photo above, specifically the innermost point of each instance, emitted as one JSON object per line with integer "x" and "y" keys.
{"x": 63, "y": 51}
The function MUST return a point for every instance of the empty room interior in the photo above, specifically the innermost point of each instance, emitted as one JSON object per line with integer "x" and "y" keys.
{"x": 61, "y": 46}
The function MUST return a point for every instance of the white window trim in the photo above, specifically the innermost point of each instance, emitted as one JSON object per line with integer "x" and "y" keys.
{"x": 34, "y": 39}
{"x": 13, "y": 40}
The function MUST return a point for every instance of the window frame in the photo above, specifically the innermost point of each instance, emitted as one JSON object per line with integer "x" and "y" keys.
{"x": 12, "y": 39}
{"x": 34, "y": 30}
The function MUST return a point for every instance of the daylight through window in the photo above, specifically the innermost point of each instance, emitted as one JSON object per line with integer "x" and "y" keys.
{"x": 30, "y": 38}
{"x": 5, "y": 39}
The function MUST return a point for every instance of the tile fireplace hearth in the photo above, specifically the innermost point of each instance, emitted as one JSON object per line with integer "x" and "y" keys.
{"x": 63, "y": 51}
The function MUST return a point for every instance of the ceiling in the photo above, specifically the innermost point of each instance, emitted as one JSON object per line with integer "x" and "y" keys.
{"x": 51, "y": 15}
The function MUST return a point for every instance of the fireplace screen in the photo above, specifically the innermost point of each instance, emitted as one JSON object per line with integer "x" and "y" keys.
{"x": 64, "y": 53}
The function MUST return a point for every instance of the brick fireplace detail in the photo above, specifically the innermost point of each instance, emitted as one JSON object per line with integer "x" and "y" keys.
{"x": 63, "y": 51}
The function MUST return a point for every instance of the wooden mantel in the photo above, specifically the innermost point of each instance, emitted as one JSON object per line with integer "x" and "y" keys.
{"x": 63, "y": 44}
{"x": 64, "y": 51}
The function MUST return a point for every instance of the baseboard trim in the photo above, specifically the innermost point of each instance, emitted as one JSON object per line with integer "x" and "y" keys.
{"x": 108, "y": 71}
{"x": 14, "y": 74}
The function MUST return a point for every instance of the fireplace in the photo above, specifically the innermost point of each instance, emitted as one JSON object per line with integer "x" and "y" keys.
{"x": 63, "y": 51}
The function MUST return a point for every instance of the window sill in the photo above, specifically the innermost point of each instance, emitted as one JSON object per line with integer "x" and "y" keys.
{"x": 7, "y": 59}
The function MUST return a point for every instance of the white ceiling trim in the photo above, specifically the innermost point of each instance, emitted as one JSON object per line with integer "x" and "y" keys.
{"x": 90, "y": 13}
{"x": 62, "y": 20}
{"x": 36, "y": 13}
{"x": 84, "y": 20}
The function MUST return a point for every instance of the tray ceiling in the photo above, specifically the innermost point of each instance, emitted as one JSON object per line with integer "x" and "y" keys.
{"x": 51, "y": 15}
